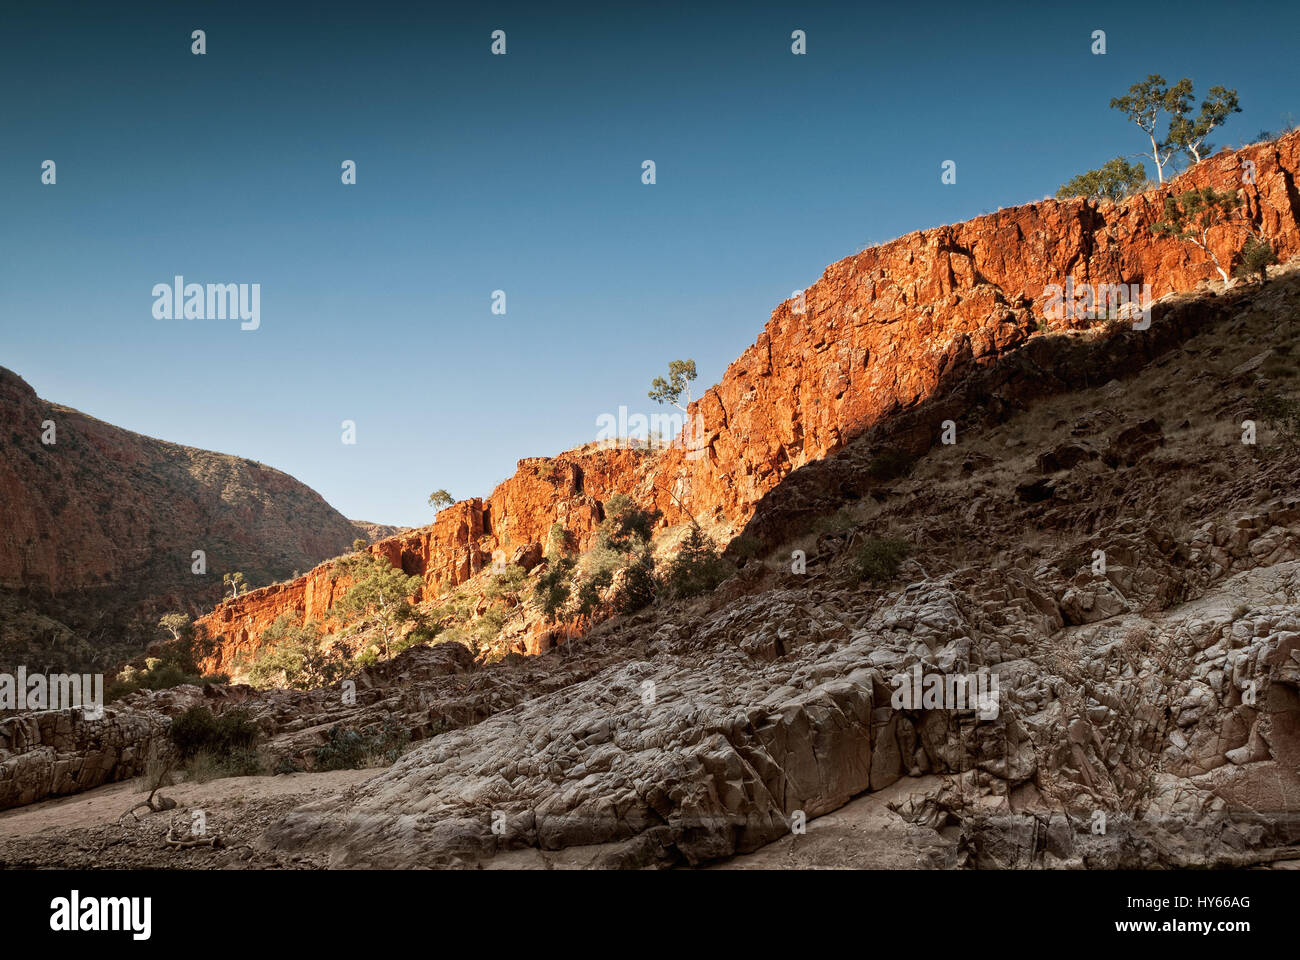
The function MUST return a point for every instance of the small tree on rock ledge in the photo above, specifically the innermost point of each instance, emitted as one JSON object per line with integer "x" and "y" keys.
{"x": 680, "y": 375}
{"x": 1191, "y": 215}
{"x": 1115, "y": 180}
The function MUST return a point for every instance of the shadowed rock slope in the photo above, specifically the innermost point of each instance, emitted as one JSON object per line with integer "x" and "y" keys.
{"x": 100, "y": 526}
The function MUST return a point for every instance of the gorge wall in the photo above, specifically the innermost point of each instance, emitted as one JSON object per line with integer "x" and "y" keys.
{"x": 875, "y": 335}
{"x": 101, "y": 523}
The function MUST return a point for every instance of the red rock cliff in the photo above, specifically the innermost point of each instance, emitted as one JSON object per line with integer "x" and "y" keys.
{"x": 876, "y": 334}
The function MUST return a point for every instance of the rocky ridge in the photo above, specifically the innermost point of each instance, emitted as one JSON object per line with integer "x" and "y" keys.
{"x": 879, "y": 334}
{"x": 1161, "y": 692}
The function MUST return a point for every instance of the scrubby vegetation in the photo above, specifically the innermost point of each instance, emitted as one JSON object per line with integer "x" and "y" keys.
{"x": 878, "y": 559}
{"x": 1192, "y": 214}
{"x": 615, "y": 575}
{"x": 1282, "y": 413}
{"x": 175, "y": 664}
{"x": 841, "y": 521}
{"x": 1257, "y": 255}
{"x": 377, "y": 618}
{"x": 1115, "y": 180}
{"x": 211, "y": 746}
{"x": 297, "y": 657}
{"x": 477, "y": 621}
{"x": 352, "y": 749}
{"x": 697, "y": 567}
{"x": 377, "y": 597}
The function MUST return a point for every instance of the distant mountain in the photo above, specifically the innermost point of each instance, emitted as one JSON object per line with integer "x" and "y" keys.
{"x": 101, "y": 527}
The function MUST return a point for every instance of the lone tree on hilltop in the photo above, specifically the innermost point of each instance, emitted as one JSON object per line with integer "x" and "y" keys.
{"x": 1189, "y": 135}
{"x": 1115, "y": 180}
{"x": 680, "y": 375}
{"x": 440, "y": 499}
{"x": 1144, "y": 104}
{"x": 236, "y": 583}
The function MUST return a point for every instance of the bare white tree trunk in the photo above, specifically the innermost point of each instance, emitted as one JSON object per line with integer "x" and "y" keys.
{"x": 1155, "y": 155}
{"x": 1227, "y": 281}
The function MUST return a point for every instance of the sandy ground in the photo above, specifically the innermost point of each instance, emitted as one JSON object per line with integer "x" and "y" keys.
{"x": 88, "y": 830}
{"x": 104, "y": 805}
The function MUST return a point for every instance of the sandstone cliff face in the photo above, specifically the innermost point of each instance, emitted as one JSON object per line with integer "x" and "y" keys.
{"x": 105, "y": 510}
{"x": 878, "y": 332}
{"x": 462, "y": 540}
{"x": 881, "y": 328}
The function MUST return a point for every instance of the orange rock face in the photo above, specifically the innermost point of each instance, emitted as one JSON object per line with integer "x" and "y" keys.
{"x": 873, "y": 336}
{"x": 462, "y": 540}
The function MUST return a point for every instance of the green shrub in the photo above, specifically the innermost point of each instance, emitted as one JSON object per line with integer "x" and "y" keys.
{"x": 352, "y": 749}
{"x": 1114, "y": 180}
{"x": 1282, "y": 413}
{"x": 553, "y": 587}
{"x": 197, "y": 729}
{"x": 295, "y": 656}
{"x": 841, "y": 521}
{"x": 425, "y": 632}
{"x": 591, "y": 588}
{"x": 697, "y": 567}
{"x": 636, "y": 591}
{"x": 626, "y": 525}
{"x": 183, "y": 647}
{"x": 1256, "y": 257}
{"x": 508, "y": 585}
{"x": 557, "y": 539}
{"x": 879, "y": 559}
{"x": 287, "y": 764}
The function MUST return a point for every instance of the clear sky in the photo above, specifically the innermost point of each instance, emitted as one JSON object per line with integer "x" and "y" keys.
{"x": 521, "y": 173}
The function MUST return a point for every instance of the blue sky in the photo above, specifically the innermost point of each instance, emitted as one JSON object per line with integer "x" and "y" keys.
{"x": 523, "y": 173}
